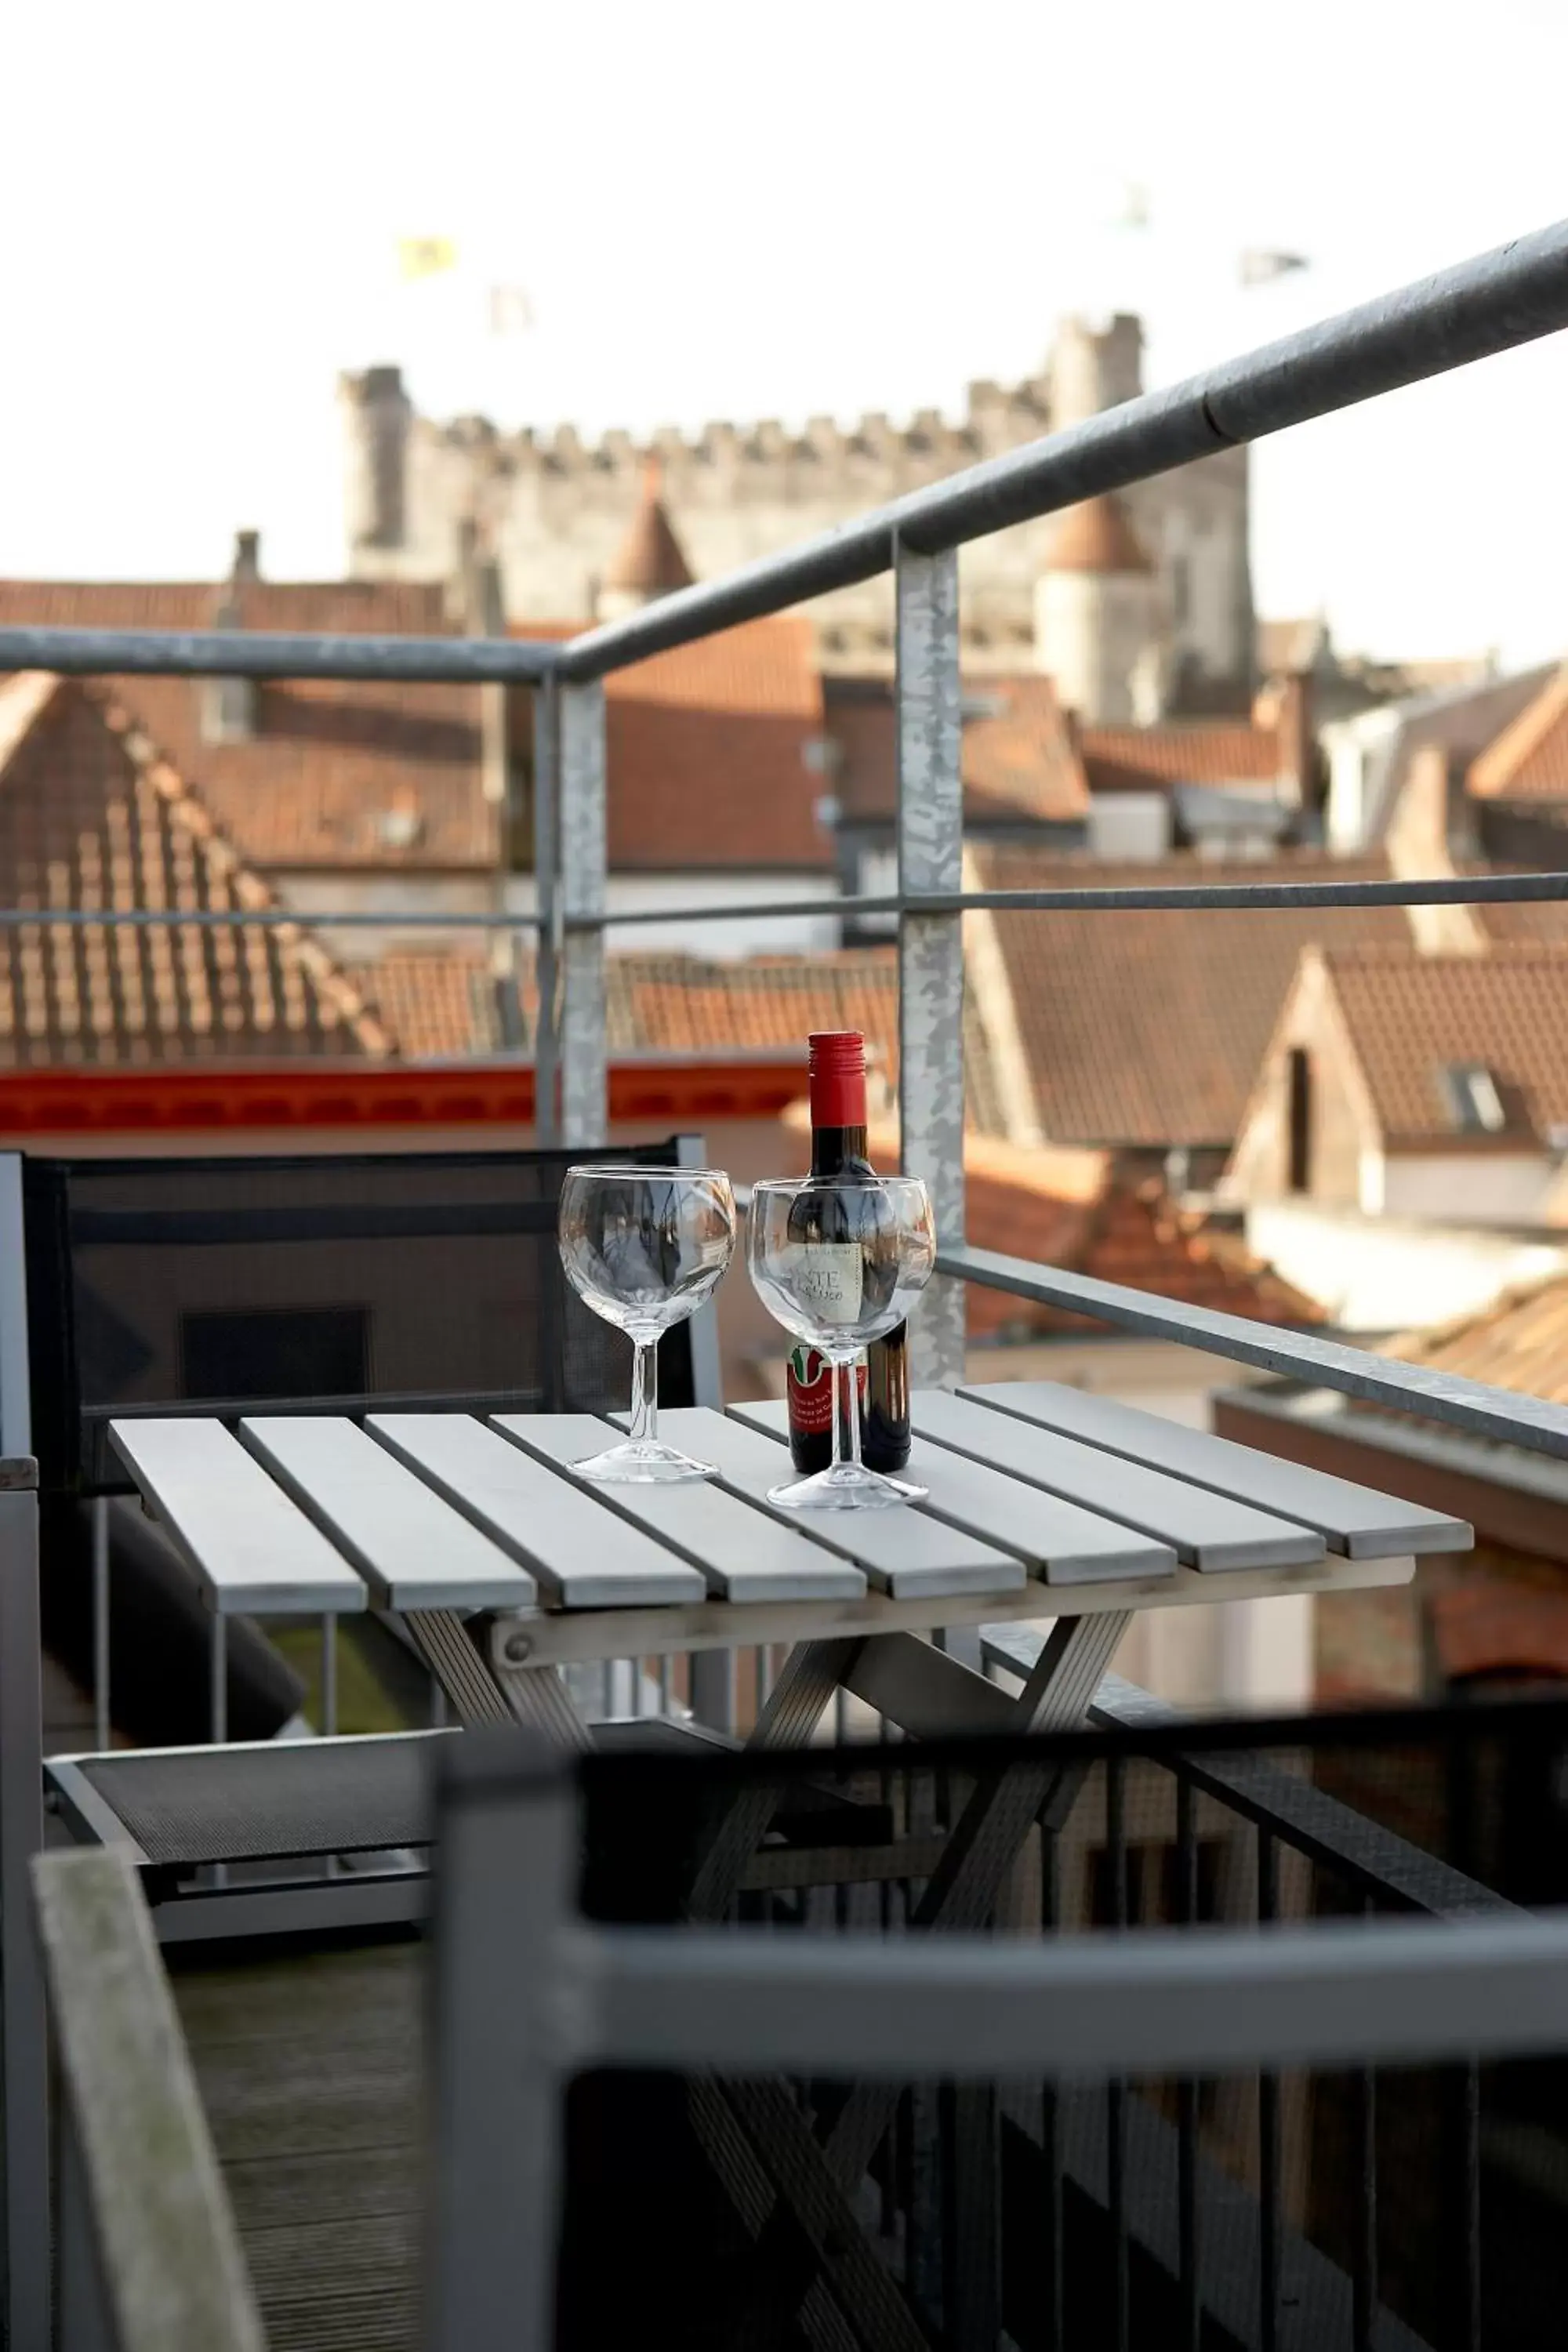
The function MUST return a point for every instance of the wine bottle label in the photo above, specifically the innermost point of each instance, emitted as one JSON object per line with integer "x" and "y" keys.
{"x": 808, "y": 1386}
{"x": 826, "y": 1276}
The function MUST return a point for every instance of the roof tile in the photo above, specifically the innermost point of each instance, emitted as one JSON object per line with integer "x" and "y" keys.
{"x": 1409, "y": 1015}
{"x": 1146, "y": 1028}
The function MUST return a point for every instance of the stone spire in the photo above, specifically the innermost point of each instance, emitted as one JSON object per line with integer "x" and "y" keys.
{"x": 649, "y": 561}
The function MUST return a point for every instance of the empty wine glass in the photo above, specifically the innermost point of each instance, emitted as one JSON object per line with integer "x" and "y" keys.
{"x": 838, "y": 1263}
{"x": 644, "y": 1247}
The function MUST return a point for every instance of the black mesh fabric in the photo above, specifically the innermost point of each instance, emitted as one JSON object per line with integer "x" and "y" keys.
{"x": 415, "y": 1281}
{"x": 286, "y": 1798}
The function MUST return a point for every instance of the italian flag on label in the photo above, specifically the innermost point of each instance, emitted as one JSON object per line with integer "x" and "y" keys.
{"x": 808, "y": 1386}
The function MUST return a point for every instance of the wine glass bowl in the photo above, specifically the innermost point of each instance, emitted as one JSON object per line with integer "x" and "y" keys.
{"x": 645, "y": 1248}
{"x": 838, "y": 1262}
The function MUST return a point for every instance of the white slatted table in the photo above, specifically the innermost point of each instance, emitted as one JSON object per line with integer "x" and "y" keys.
{"x": 1043, "y": 1503}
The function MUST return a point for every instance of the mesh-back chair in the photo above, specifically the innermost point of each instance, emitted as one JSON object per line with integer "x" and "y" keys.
{"x": 404, "y": 1281}
{"x": 410, "y": 1281}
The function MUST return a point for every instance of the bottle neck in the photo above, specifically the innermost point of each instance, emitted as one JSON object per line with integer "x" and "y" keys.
{"x": 837, "y": 1150}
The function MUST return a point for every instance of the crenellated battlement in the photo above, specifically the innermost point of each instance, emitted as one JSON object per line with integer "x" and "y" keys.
{"x": 995, "y": 417}
{"x": 553, "y": 506}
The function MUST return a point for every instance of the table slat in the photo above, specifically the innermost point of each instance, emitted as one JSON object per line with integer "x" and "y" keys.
{"x": 903, "y": 1553}
{"x": 581, "y": 1555}
{"x": 1054, "y": 1540}
{"x": 253, "y": 1549}
{"x": 1208, "y": 1531}
{"x": 413, "y": 1550}
{"x": 1353, "y": 1519}
{"x": 744, "y": 1554}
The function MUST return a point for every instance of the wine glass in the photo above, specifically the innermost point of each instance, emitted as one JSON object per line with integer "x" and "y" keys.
{"x": 644, "y": 1247}
{"x": 838, "y": 1263}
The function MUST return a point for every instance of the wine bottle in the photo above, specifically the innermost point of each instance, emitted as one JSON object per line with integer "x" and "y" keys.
{"x": 837, "y": 1086}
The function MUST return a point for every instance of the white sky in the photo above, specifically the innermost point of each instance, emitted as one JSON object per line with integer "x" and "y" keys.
{"x": 725, "y": 211}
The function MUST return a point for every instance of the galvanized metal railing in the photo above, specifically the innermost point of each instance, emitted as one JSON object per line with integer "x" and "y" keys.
{"x": 1492, "y": 303}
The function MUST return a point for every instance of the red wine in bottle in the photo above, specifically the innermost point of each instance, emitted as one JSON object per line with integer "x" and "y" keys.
{"x": 838, "y": 1082}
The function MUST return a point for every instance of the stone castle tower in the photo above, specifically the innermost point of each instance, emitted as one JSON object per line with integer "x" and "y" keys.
{"x": 555, "y": 511}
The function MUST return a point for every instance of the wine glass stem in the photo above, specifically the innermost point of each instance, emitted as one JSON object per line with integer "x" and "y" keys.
{"x": 644, "y": 1391}
{"x": 846, "y": 1414}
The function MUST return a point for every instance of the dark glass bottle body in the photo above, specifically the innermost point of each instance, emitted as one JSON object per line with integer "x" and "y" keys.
{"x": 838, "y": 1157}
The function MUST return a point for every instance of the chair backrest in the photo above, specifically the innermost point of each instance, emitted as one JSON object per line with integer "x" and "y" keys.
{"x": 228, "y": 1285}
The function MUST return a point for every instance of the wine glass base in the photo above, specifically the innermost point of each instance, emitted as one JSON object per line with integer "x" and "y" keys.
{"x": 642, "y": 1462}
{"x": 847, "y": 1487}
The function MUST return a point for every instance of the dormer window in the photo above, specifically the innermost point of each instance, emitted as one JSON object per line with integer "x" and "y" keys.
{"x": 1472, "y": 1099}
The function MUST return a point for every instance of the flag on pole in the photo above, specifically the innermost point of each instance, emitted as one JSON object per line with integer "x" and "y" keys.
{"x": 511, "y": 313}
{"x": 1260, "y": 268}
{"x": 425, "y": 257}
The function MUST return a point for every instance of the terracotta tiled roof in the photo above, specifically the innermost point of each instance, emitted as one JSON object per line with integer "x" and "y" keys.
{"x": 1019, "y": 756}
{"x": 1178, "y": 752}
{"x": 714, "y": 752}
{"x": 1075, "y": 1209}
{"x": 93, "y": 816}
{"x": 1147, "y": 1029}
{"x": 1095, "y": 537}
{"x": 1529, "y": 761}
{"x": 1410, "y": 1015}
{"x": 650, "y": 560}
{"x": 676, "y": 1004}
{"x": 1520, "y": 1341}
{"x": 440, "y": 1003}
{"x": 328, "y": 761}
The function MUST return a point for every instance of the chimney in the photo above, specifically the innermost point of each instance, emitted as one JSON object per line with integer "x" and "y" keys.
{"x": 1417, "y": 845}
{"x": 228, "y": 704}
{"x": 1297, "y": 744}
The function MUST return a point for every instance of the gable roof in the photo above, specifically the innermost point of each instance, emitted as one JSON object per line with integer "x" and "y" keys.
{"x": 1181, "y": 751}
{"x": 1410, "y": 1016}
{"x": 714, "y": 752}
{"x": 1529, "y": 760}
{"x": 329, "y": 760}
{"x": 93, "y": 816}
{"x": 1019, "y": 754}
{"x": 1147, "y": 1028}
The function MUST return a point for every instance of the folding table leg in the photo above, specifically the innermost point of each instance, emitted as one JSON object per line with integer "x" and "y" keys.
{"x": 962, "y": 1891}
{"x": 442, "y": 1641}
{"x": 811, "y": 1673}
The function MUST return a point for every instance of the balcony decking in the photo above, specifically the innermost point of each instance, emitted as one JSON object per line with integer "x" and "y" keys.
{"x": 309, "y": 2066}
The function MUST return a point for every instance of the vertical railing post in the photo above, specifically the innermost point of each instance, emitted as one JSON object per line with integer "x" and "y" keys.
{"x": 585, "y": 1090}
{"x": 505, "y": 1897}
{"x": 24, "y": 2065}
{"x": 931, "y": 946}
{"x": 547, "y": 907}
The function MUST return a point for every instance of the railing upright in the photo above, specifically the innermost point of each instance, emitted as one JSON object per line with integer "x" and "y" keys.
{"x": 584, "y": 826}
{"x": 24, "y": 2065}
{"x": 931, "y": 946}
{"x": 547, "y": 907}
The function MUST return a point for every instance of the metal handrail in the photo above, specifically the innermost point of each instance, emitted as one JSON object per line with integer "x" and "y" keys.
{"x": 1496, "y": 300}
{"x": 1492, "y": 303}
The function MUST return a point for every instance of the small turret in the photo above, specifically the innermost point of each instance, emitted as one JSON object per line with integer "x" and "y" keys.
{"x": 649, "y": 561}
